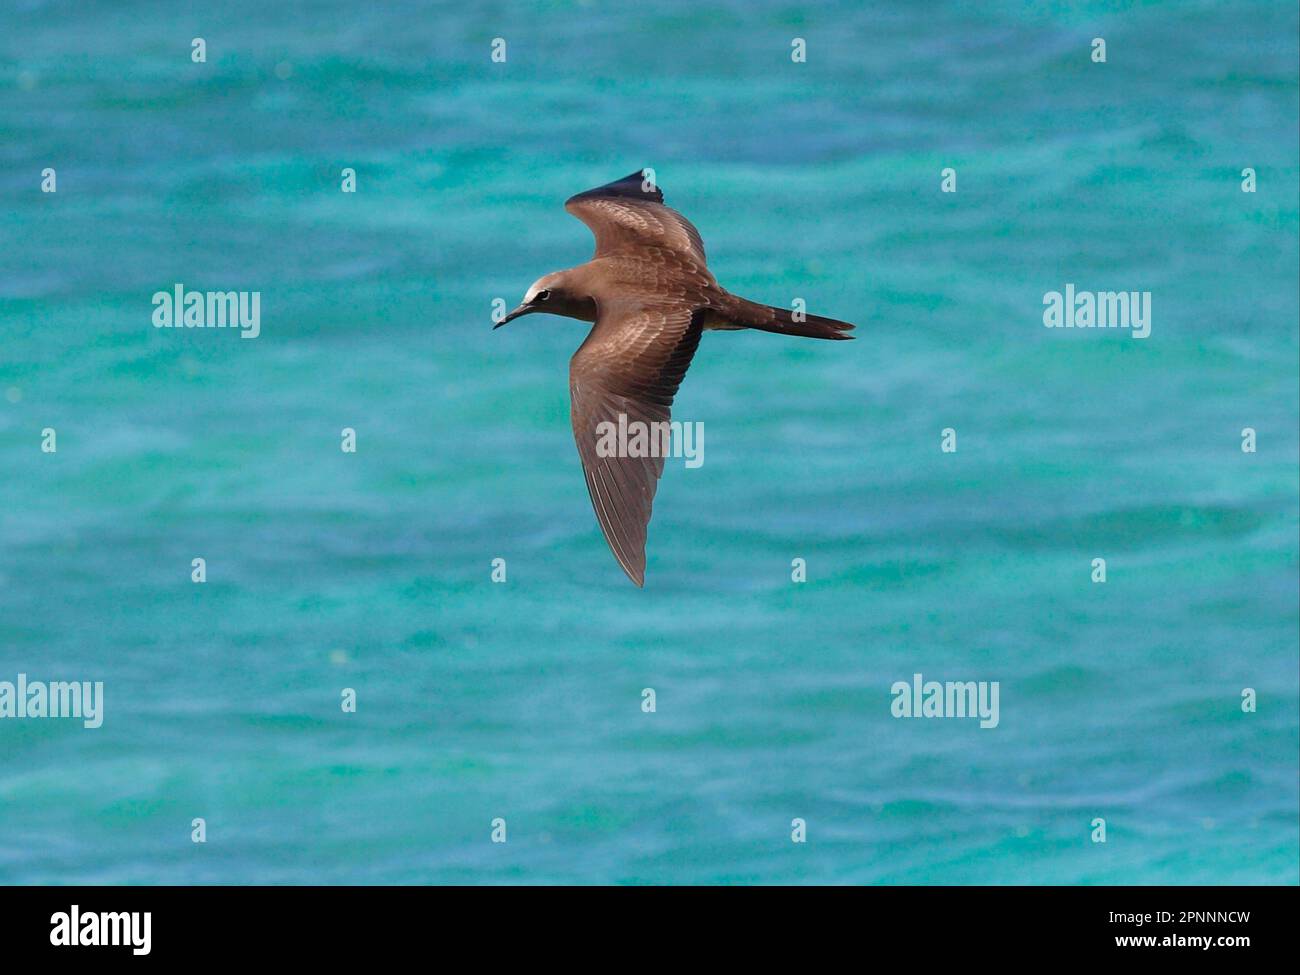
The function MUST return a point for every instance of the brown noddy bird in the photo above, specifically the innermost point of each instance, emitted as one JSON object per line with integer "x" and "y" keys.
{"x": 650, "y": 294}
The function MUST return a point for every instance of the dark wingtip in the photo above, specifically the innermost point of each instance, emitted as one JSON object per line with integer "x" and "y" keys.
{"x": 634, "y": 572}
{"x": 630, "y": 187}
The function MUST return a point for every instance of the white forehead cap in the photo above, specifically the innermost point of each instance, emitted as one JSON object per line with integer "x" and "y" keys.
{"x": 538, "y": 285}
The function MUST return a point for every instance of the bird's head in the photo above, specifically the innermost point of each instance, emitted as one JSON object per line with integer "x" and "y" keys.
{"x": 554, "y": 294}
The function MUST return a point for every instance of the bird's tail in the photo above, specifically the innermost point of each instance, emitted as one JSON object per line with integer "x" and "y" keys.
{"x": 741, "y": 313}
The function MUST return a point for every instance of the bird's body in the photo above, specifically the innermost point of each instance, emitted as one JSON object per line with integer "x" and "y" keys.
{"x": 649, "y": 292}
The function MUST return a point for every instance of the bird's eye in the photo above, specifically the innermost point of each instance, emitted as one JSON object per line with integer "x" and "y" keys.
{"x": 542, "y": 296}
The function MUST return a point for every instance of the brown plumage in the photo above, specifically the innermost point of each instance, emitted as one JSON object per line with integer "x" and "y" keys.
{"x": 651, "y": 295}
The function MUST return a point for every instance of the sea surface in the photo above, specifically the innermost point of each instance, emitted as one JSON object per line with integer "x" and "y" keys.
{"x": 522, "y": 701}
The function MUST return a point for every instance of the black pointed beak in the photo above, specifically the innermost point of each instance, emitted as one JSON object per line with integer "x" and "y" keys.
{"x": 521, "y": 310}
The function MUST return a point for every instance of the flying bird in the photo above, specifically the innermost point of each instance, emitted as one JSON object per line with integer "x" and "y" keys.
{"x": 650, "y": 294}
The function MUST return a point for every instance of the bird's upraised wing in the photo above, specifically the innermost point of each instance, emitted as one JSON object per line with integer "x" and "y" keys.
{"x": 630, "y": 366}
{"x": 629, "y": 216}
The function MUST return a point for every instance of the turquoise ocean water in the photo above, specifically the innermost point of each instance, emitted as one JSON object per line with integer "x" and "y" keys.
{"x": 522, "y": 700}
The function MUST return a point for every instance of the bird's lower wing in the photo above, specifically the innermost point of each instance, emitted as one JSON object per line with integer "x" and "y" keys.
{"x": 622, "y": 381}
